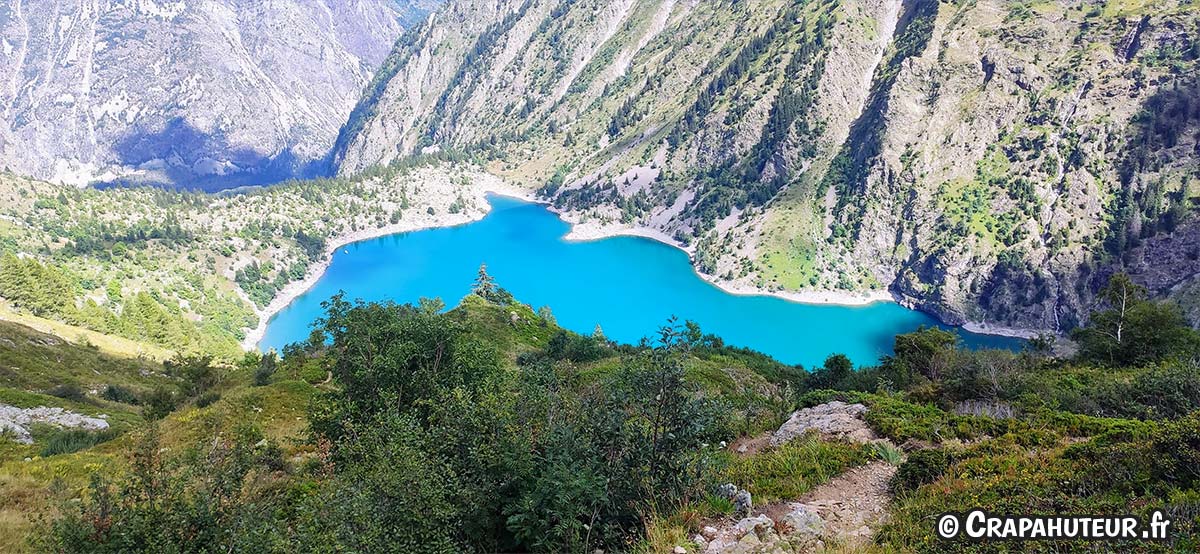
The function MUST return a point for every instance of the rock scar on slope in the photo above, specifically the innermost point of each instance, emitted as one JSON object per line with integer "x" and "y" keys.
{"x": 17, "y": 421}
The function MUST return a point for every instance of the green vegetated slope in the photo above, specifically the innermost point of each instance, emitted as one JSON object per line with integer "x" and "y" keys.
{"x": 488, "y": 428}
{"x": 984, "y": 160}
{"x": 129, "y": 390}
{"x": 186, "y": 270}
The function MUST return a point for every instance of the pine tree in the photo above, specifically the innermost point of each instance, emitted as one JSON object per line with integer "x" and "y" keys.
{"x": 485, "y": 285}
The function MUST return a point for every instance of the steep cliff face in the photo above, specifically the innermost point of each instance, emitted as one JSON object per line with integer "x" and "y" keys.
{"x": 986, "y": 160}
{"x": 1018, "y": 158}
{"x": 186, "y": 92}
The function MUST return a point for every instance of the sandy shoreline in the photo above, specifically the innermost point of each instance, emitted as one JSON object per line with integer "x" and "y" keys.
{"x": 581, "y": 232}
{"x": 983, "y": 328}
{"x": 588, "y": 231}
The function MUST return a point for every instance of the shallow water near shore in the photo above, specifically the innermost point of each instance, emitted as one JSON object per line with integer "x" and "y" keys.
{"x": 629, "y": 286}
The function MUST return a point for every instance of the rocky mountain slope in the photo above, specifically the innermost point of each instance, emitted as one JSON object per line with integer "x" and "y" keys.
{"x": 989, "y": 161}
{"x": 186, "y": 92}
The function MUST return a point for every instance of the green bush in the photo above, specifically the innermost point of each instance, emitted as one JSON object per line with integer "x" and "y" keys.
{"x": 67, "y": 391}
{"x": 265, "y": 369}
{"x": 194, "y": 503}
{"x": 197, "y": 373}
{"x": 118, "y": 393}
{"x": 66, "y": 441}
{"x": 158, "y": 403}
{"x": 922, "y": 467}
{"x": 207, "y": 399}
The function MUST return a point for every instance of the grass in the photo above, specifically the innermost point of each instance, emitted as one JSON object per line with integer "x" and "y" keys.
{"x": 888, "y": 453}
{"x": 61, "y": 461}
{"x": 108, "y": 344}
{"x": 32, "y": 359}
{"x": 789, "y": 471}
{"x": 789, "y": 256}
{"x": 662, "y": 536}
{"x": 68, "y": 441}
{"x": 494, "y": 325}
{"x": 1120, "y": 8}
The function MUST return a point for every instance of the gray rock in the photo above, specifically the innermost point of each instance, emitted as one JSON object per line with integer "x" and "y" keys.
{"x": 758, "y": 525}
{"x": 742, "y": 502}
{"x": 17, "y": 421}
{"x": 834, "y": 419}
{"x": 168, "y": 91}
{"x": 803, "y": 521}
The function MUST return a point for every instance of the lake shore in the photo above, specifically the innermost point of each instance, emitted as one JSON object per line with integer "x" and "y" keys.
{"x": 984, "y": 328}
{"x": 420, "y": 220}
{"x": 581, "y": 231}
{"x": 590, "y": 231}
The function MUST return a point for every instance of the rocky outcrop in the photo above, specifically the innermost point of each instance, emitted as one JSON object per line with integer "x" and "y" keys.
{"x": 17, "y": 421}
{"x": 187, "y": 92}
{"x": 845, "y": 511}
{"x": 833, "y": 420}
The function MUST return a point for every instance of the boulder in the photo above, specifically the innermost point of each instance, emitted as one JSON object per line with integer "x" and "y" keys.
{"x": 832, "y": 420}
{"x": 803, "y": 521}
{"x": 17, "y": 421}
{"x": 758, "y": 525}
{"x": 742, "y": 502}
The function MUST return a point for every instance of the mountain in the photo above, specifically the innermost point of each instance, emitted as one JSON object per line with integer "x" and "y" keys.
{"x": 195, "y": 92}
{"x": 987, "y": 161}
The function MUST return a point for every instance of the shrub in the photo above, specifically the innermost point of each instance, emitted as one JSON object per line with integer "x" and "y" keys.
{"x": 207, "y": 399}
{"x": 197, "y": 372}
{"x": 67, "y": 391}
{"x": 158, "y": 403}
{"x": 171, "y": 506}
{"x": 118, "y": 393}
{"x": 66, "y": 441}
{"x": 576, "y": 348}
{"x": 266, "y": 368}
{"x": 313, "y": 373}
{"x": 921, "y": 467}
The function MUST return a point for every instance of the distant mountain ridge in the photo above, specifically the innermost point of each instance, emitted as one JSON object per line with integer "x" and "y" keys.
{"x": 988, "y": 161}
{"x": 193, "y": 92}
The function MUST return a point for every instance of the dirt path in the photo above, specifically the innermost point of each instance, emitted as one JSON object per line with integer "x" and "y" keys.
{"x": 844, "y": 512}
{"x": 850, "y": 507}
{"x": 854, "y": 503}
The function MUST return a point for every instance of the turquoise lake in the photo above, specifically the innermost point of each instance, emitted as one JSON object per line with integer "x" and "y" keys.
{"x": 629, "y": 286}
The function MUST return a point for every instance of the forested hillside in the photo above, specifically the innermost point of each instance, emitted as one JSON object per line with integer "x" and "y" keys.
{"x": 191, "y": 271}
{"x": 987, "y": 161}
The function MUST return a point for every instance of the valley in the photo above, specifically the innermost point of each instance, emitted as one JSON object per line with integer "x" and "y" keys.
{"x": 602, "y": 276}
{"x": 987, "y": 162}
